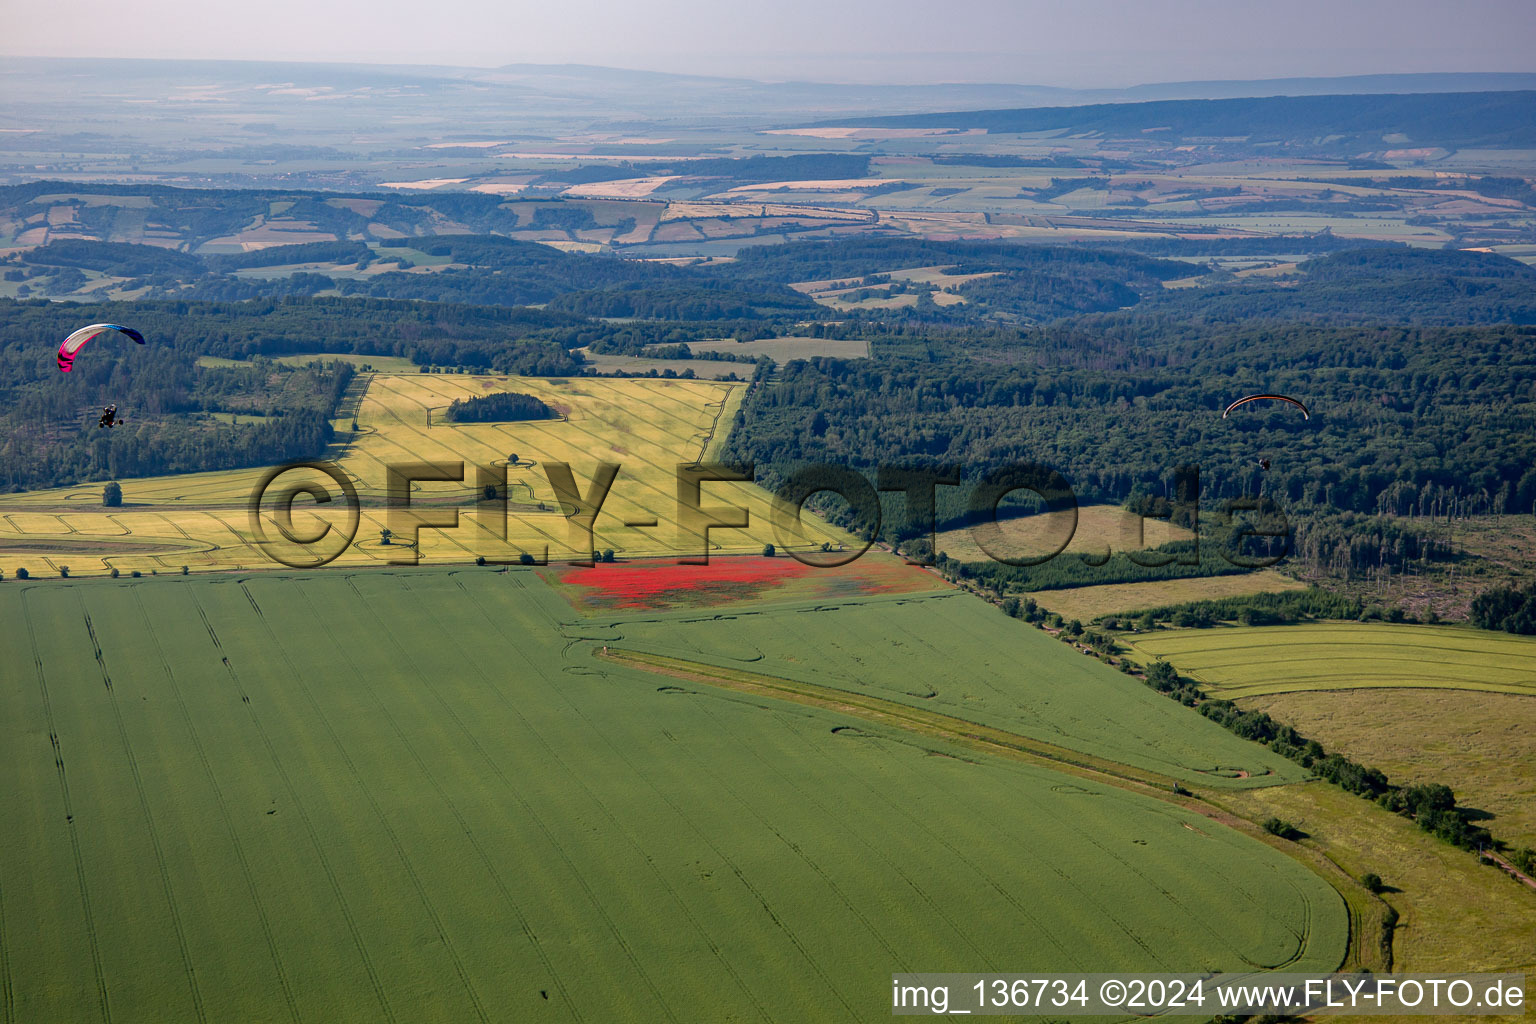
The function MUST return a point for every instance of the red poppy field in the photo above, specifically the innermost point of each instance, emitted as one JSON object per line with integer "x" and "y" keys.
{"x": 658, "y": 585}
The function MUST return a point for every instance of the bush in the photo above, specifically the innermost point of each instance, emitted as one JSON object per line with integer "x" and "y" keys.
{"x": 115, "y": 573}
{"x": 135, "y": 574}
{"x": 64, "y": 571}
{"x": 1372, "y": 881}
{"x": 608, "y": 554}
{"x": 1507, "y": 609}
{"x": 1279, "y": 827}
{"x": 525, "y": 559}
{"x": 479, "y": 559}
{"x": 185, "y": 570}
{"x": 112, "y": 495}
{"x": 769, "y": 551}
{"x": 22, "y": 573}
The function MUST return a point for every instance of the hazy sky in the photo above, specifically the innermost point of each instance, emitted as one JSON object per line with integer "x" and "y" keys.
{"x": 1051, "y": 42}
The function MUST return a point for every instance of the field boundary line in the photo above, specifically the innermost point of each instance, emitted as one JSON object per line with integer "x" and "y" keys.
{"x": 879, "y": 710}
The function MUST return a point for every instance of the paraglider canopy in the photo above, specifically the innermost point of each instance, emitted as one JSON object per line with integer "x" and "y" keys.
{"x": 1277, "y": 398}
{"x": 76, "y": 341}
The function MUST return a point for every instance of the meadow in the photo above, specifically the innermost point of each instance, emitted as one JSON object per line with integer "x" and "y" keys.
{"x": 1455, "y": 914}
{"x": 417, "y": 795}
{"x": 1240, "y": 662}
{"x": 1477, "y": 745}
{"x": 648, "y": 427}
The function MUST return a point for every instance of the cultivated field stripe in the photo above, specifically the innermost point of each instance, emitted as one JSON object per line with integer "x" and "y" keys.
{"x": 103, "y": 1002}
{"x": 272, "y": 646}
{"x": 319, "y": 616}
{"x": 443, "y": 705}
{"x": 149, "y": 822}
{"x": 253, "y": 892}
{"x": 596, "y": 903}
{"x": 1233, "y": 662}
{"x": 297, "y": 623}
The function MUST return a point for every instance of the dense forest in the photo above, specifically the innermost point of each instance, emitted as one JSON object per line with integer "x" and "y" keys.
{"x": 48, "y": 427}
{"x": 1415, "y": 364}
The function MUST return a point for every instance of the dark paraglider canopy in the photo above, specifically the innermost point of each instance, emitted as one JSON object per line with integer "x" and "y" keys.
{"x": 1275, "y": 398}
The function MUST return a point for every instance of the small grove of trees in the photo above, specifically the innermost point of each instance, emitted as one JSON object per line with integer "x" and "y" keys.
{"x": 501, "y": 407}
{"x": 112, "y": 494}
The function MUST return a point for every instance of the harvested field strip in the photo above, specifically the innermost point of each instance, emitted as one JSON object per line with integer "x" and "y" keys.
{"x": 1251, "y": 662}
{"x": 1126, "y": 599}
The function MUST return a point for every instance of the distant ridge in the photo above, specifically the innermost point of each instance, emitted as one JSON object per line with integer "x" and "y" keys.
{"x": 123, "y": 83}
{"x": 1395, "y": 120}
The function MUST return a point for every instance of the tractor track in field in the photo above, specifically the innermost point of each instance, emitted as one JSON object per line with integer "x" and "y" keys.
{"x": 485, "y": 860}
{"x": 149, "y": 821}
{"x": 309, "y": 826}
{"x": 874, "y": 851}
{"x": 816, "y": 869}
{"x": 251, "y": 887}
{"x": 549, "y": 834}
{"x": 1085, "y": 897}
{"x": 7, "y": 992}
{"x": 389, "y": 830}
{"x": 74, "y": 839}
